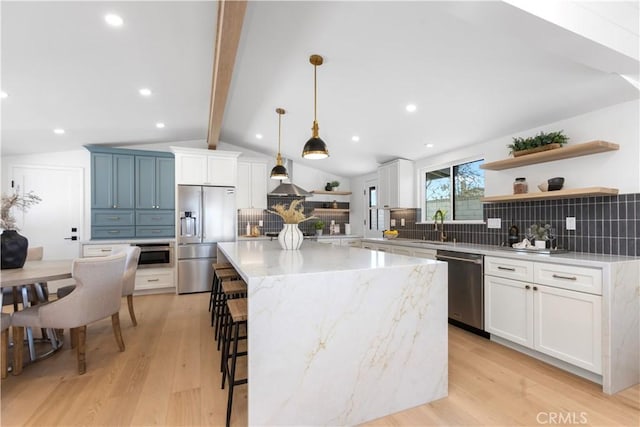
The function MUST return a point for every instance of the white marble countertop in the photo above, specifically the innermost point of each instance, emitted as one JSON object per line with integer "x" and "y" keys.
{"x": 260, "y": 258}
{"x": 573, "y": 258}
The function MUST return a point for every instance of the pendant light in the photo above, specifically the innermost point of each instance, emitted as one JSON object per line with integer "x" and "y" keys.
{"x": 315, "y": 148}
{"x": 279, "y": 171}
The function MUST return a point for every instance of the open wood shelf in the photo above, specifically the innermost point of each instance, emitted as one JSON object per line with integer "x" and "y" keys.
{"x": 337, "y": 193}
{"x": 567, "y": 152}
{"x": 329, "y": 210}
{"x": 549, "y": 195}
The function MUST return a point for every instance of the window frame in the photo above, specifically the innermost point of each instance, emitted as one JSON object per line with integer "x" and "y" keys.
{"x": 422, "y": 173}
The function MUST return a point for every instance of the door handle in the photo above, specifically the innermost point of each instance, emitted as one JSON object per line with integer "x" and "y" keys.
{"x": 71, "y": 238}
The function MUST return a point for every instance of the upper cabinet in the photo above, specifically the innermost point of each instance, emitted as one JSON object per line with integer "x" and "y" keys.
{"x": 206, "y": 167}
{"x": 112, "y": 181}
{"x": 396, "y": 185}
{"x": 251, "y": 190}
{"x": 155, "y": 177}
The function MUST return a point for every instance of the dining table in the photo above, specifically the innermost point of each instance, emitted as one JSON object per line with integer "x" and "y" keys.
{"x": 36, "y": 273}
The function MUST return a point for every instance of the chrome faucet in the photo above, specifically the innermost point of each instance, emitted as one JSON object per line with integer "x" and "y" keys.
{"x": 443, "y": 235}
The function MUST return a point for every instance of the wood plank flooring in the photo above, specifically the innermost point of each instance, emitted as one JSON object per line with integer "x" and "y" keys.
{"x": 168, "y": 376}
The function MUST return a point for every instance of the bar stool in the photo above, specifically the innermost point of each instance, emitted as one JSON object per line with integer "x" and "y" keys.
{"x": 216, "y": 268}
{"x": 237, "y": 313}
{"x": 231, "y": 289}
{"x": 218, "y": 299}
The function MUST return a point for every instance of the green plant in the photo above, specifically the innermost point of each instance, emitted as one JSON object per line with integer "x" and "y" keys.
{"x": 335, "y": 183}
{"x": 319, "y": 225}
{"x": 539, "y": 140}
{"x": 540, "y": 231}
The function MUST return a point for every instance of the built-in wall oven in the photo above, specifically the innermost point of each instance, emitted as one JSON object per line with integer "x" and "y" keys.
{"x": 466, "y": 290}
{"x": 155, "y": 255}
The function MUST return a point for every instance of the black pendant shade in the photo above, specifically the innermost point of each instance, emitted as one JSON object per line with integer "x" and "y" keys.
{"x": 315, "y": 148}
{"x": 279, "y": 171}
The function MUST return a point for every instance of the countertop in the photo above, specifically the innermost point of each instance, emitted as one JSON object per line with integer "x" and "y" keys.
{"x": 260, "y": 258}
{"x": 572, "y": 258}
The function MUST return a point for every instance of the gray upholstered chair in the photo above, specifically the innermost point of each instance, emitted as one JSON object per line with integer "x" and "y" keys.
{"x": 6, "y": 322}
{"x": 128, "y": 282}
{"x": 97, "y": 295}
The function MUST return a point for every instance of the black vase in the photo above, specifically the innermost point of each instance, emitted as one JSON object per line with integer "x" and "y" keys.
{"x": 14, "y": 249}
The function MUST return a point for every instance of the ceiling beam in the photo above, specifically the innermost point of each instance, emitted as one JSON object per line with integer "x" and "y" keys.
{"x": 230, "y": 17}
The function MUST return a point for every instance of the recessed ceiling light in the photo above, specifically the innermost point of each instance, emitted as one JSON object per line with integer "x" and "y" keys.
{"x": 160, "y": 125}
{"x": 355, "y": 138}
{"x": 113, "y": 20}
{"x": 58, "y": 131}
{"x": 259, "y": 135}
{"x": 411, "y": 108}
{"x": 4, "y": 94}
{"x": 428, "y": 145}
{"x": 145, "y": 91}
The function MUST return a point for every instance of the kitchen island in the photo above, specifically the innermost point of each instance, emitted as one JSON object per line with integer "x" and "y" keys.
{"x": 340, "y": 335}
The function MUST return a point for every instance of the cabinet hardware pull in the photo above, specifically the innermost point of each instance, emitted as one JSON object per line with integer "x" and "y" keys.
{"x": 115, "y": 218}
{"x": 527, "y": 287}
{"x": 153, "y": 280}
{"x": 113, "y": 231}
{"x": 506, "y": 268}
{"x": 557, "y": 276}
{"x": 105, "y": 250}
{"x": 155, "y": 218}
{"x": 453, "y": 258}
{"x": 535, "y": 288}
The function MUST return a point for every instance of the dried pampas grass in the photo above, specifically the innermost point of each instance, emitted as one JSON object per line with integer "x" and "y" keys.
{"x": 294, "y": 214}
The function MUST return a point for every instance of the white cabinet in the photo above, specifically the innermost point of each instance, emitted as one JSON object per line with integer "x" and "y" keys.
{"x": 206, "y": 167}
{"x": 561, "y": 320}
{"x": 154, "y": 278}
{"x": 396, "y": 185}
{"x": 252, "y": 185}
{"x": 424, "y": 253}
{"x": 402, "y": 250}
{"x": 106, "y": 249}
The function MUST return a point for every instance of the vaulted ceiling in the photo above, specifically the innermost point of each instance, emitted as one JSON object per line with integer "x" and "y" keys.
{"x": 474, "y": 70}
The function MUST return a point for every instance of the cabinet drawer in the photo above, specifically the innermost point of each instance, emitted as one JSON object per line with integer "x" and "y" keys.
{"x": 509, "y": 268}
{"x": 89, "y": 251}
{"x": 112, "y": 232}
{"x": 583, "y": 279}
{"x": 111, "y": 217}
{"x": 154, "y": 278}
{"x": 151, "y": 231}
{"x": 155, "y": 217}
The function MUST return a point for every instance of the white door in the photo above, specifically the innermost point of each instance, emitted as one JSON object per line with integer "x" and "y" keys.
{"x": 51, "y": 222}
{"x": 374, "y": 218}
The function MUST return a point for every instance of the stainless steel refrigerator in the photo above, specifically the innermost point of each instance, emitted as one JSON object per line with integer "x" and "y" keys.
{"x": 206, "y": 216}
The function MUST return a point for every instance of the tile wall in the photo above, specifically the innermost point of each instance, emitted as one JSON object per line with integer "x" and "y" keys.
{"x": 273, "y": 223}
{"x": 604, "y": 225}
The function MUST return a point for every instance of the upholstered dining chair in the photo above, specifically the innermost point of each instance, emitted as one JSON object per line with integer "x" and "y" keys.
{"x": 6, "y": 322}
{"x": 128, "y": 281}
{"x": 97, "y": 295}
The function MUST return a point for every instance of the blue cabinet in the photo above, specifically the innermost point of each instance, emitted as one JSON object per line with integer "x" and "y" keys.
{"x": 155, "y": 182}
{"x": 111, "y": 181}
{"x": 132, "y": 193}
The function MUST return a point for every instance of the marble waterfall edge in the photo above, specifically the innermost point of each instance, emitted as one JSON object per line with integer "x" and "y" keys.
{"x": 342, "y": 348}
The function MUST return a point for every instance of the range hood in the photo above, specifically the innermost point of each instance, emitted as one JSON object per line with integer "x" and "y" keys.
{"x": 289, "y": 188}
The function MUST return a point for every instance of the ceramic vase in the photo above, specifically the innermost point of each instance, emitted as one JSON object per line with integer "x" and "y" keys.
{"x": 290, "y": 237}
{"x": 14, "y": 249}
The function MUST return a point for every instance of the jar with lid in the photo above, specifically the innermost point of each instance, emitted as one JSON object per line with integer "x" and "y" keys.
{"x": 520, "y": 186}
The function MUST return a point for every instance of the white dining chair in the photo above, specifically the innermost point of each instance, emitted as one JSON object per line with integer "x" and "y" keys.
{"x": 97, "y": 295}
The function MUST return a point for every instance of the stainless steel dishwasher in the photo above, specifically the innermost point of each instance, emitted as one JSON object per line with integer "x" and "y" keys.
{"x": 466, "y": 290}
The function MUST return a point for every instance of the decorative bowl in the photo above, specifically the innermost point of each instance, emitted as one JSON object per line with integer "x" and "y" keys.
{"x": 555, "y": 183}
{"x": 543, "y": 186}
{"x": 389, "y": 235}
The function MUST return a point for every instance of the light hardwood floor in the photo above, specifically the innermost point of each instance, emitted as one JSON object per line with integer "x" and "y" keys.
{"x": 168, "y": 375}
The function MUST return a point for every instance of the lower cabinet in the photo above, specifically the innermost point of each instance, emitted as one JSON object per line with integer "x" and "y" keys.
{"x": 561, "y": 323}
{"x": 154, "y": 278}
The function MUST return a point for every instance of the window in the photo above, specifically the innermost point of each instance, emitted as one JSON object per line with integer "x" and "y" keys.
{"x": 455, "y": 190}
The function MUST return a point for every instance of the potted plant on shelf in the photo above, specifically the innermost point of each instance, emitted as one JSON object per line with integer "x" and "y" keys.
{"x": 319, "y": 226}
{"x": 335, "y": 185}
{"x": 541, "y": 142}
{"x": 14, "y": 246}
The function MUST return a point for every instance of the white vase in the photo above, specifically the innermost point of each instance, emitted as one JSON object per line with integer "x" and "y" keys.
{"x": 290, "y": 237}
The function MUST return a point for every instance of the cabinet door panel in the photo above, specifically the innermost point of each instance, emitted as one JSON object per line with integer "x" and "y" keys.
{"x": 123, "y": 167}
{"x": 222, "y": 171}
{"x": 192, "y": 169}
{"x": 568, "y": 326}
{"x": 508, "y": 310}
{"x": 145, "y": 182}
{"x": 165, "y": 183}
{"x": 259, "y": 185}
{"x": 243, "y": 190}
{"x": 101, "y": 181}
